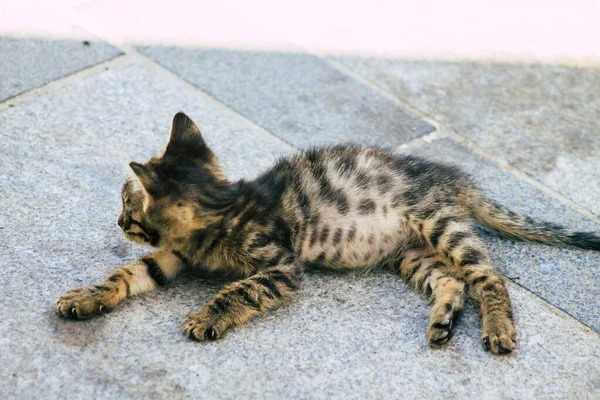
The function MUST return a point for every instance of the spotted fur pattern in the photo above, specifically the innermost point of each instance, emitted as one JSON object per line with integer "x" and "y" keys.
{"x": 342, "y": 208}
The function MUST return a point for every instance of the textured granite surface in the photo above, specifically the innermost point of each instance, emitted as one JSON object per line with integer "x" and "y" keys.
{"x": 542, "y": 119}
{"x": 348, "y": 336}
{"x": 31, "y": 62}
{"x": 296, "y": 96}
{"x": 567, "y": 278}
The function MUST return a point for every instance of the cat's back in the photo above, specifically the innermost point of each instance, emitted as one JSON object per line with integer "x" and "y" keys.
{"x": 346, "y": 174}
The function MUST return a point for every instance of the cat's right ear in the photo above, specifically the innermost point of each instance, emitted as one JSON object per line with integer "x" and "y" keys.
{"x": 150, "y": 180}
{"x": 185, "y": 138}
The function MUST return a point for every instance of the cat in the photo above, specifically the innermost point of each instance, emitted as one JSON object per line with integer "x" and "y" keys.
{"x": 346, "y": 207}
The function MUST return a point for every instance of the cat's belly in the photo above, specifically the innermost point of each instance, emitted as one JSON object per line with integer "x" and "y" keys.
{"x": 352, "y": 241}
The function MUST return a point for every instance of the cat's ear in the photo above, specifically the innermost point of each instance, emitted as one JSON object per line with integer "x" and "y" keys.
{"x": 150, "y": 180}
{"x": 185, "y": 138}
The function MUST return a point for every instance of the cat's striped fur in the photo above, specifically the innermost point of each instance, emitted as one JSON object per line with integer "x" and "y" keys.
{"x": 343, "y": 207}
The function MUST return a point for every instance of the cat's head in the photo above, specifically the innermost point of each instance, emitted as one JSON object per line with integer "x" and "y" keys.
{"x": 177, "y": 193}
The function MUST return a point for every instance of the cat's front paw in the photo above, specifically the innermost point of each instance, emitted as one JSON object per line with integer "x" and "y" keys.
{"x": 200, "y": 325}
{"x": 499, "y": 334}
{"x": 80, "y": 303}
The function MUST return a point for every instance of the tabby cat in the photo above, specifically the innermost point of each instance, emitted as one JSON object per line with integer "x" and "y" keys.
{"x": 345, "y": 207}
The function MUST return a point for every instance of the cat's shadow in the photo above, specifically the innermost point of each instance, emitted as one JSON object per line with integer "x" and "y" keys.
{"x": 74, "y": 333}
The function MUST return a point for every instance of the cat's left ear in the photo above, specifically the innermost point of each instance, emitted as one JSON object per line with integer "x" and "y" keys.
{"x": 185, "y": 138}
{"x": 150, "y": 180}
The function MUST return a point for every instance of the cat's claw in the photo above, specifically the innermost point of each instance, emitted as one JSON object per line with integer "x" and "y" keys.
{"x": 199, "y": 326}
{"x": 485, "y": 341}
{"x": 211, "y": 333}
{"x": 441, "y": 324}
{"x": 80, "y": 304}
{"x": 499, "y": 334}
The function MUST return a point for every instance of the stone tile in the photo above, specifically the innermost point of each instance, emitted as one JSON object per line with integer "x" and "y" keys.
{"x": 336, "y": 341}
{"x": 30, "y": 62}
{"x": 60, "y": 178}
{"x": 296, "y": 96}
{"x": 543, "y": 119}
{"x": 567, "y": 278}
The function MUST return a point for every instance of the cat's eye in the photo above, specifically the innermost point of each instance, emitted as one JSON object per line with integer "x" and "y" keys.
{"x": 180, "y": 204}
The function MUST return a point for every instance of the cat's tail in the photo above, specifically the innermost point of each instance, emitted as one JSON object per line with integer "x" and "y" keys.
{"x": 518, "y": 227}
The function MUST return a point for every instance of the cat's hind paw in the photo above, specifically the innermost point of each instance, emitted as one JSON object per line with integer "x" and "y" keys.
{"x": 499, "y": 334}
{"x": 443, "y": 318}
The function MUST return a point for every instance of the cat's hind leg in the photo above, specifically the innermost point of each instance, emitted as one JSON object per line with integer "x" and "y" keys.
{"x": 429, "y": 275}
{"x": 451, "y": 236}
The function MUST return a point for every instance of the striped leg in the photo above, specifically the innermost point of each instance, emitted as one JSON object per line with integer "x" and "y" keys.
{"x": 243, "y": 300}
{"x": 453, "y": 238}
{"x": 140, "y": 276}
{"x": 430, "y": 276}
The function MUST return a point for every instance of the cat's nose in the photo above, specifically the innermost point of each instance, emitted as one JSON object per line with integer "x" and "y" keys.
{"x": 120, "y": 221}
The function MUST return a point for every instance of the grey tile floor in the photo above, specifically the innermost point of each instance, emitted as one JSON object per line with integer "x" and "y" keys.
{"x": 527, "y": 133}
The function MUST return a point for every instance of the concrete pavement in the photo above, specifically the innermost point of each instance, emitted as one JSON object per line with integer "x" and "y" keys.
{"x": 75, "y": 109}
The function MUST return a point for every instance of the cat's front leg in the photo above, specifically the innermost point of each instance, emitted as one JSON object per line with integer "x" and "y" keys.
{"x": 243, "y": 300}
{"x": 140, "y": 276}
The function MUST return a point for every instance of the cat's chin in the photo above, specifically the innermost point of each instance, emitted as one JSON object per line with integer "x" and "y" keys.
{"x": 138, "y": 238}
